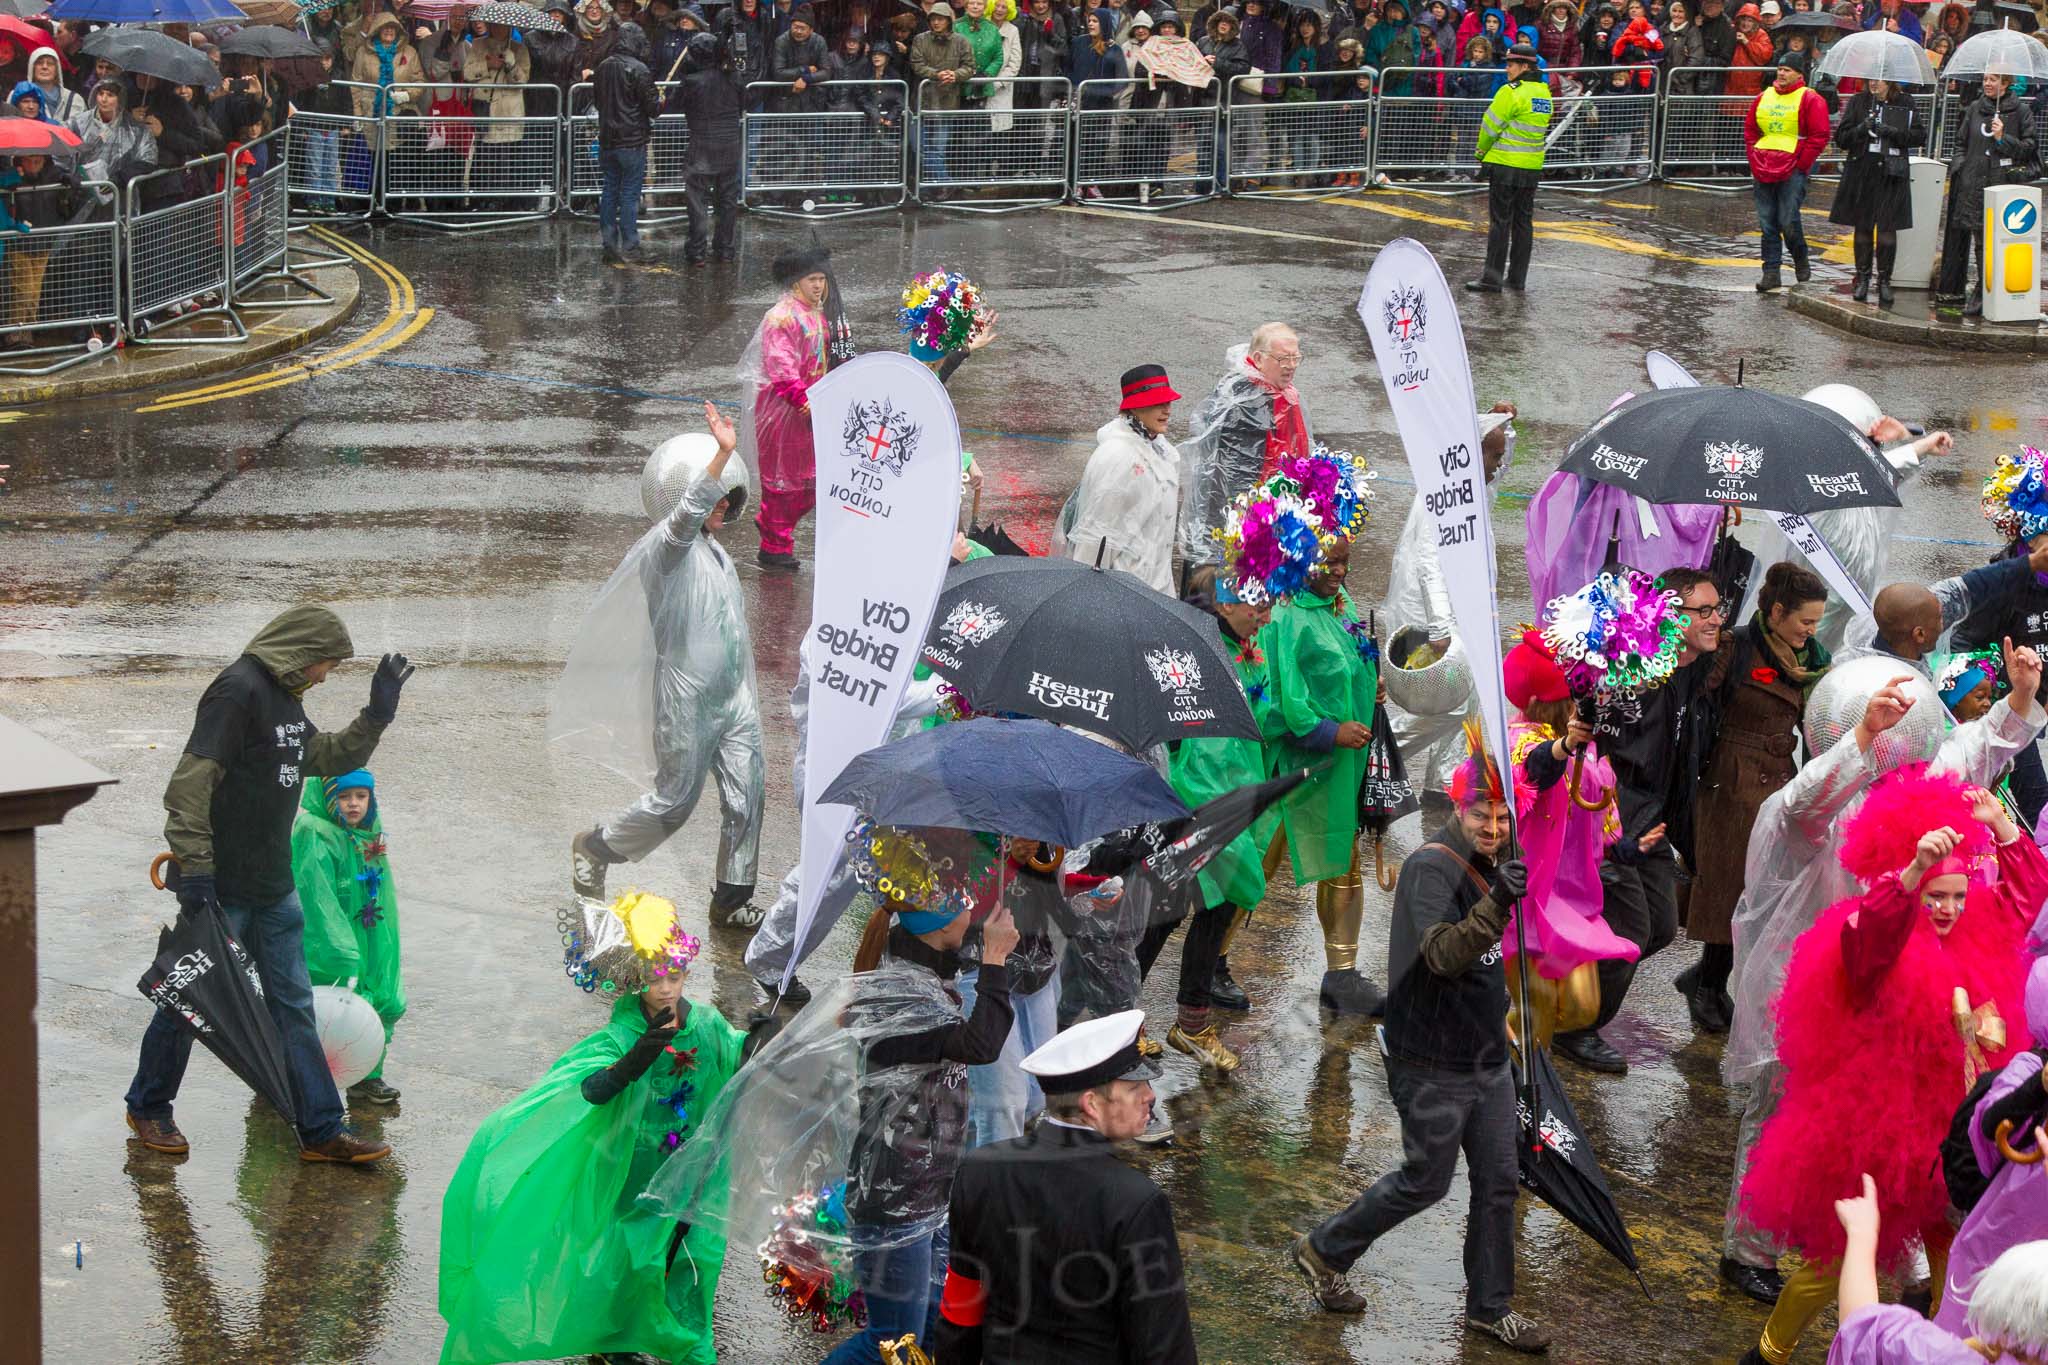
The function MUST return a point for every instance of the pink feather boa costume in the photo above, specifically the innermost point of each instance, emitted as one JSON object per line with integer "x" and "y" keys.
{"x": 1563, "y": 846}
{"x": 1872, "y": 1060}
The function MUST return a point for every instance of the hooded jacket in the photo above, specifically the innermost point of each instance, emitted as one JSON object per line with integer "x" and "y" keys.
{"x": 709, "y": 98}
{"x": 122, "y": 148}
{"x": 343, "y": 874}
{"x": 627, "y": 101}
{"x": 231, "y": 801}
{"x": 1558, "y": 45}
{"x": 31, "y": 91}
{"x": 60, "y": 103}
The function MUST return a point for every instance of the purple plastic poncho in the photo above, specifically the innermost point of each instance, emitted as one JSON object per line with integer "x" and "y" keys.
{"x": 1571, "y": 521}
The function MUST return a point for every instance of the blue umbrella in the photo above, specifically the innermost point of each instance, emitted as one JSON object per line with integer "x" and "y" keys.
{"x": 1025, "y": 778}
{"x": 146, "y": 11}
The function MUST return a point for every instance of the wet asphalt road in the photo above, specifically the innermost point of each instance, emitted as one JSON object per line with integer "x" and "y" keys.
{"x": 461, "y": 498}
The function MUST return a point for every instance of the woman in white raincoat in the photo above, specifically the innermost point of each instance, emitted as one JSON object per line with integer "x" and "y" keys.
{"x": 1124, "y": 512}
{"x": 659, "y": 686}
{"x": 1792, "y": 875}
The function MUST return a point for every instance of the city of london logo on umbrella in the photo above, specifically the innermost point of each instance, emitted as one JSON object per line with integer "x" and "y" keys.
{"x": 1734, "y": 464}
{"x": 971, "y": 623}
{"x": 1175, "y": 670}
{"x": 1406, "y": 314}
{"x": 881, "y": 437}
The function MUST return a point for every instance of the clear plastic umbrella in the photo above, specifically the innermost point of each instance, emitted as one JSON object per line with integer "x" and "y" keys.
{"x": 1878, "y": 56}
{"x": 1998, "y": 51}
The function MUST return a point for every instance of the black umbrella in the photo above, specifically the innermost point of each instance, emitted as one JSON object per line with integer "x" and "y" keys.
{"x": 1178, "y": 849}
{"x": 1736, "y": 446}
{"x": 995, "y": 539}
{"x": 1090, "y": 648}
{"x": 1023, "y": 778}
{"x": 144, "y": 51}
{"x": 1732, "y": 567}
{"x": 1386, "y": 794}
{"x": 1557, "y": 1164}
{"x": 202, "y": 975}
{"x": 268, "y": 41}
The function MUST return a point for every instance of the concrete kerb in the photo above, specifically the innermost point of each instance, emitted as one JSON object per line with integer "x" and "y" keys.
{"x": 1832, "y": 305}
{"x": 272, "y": 332}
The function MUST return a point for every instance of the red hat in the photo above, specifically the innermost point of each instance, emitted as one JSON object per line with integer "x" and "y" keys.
{"x": 1146, "y": 387}
{"x": 1531, "y": 672}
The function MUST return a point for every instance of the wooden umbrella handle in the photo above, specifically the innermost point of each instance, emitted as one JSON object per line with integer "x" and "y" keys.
{"x": 2006, "y": 1149}
{"x": 156, "y": 870}
{"x": 1578, "y": 798}
{"x": 1380, "y": 873}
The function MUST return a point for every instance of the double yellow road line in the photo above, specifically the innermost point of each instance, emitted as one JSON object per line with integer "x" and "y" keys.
{"x": 402, "y": 321}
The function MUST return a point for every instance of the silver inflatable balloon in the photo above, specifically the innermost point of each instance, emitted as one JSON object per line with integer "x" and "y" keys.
{"x": 1841, "y": 696}
{"x": 1437, "y": 690}
{"x": 677, "y": 463}
{"x": 1848, "y": 402}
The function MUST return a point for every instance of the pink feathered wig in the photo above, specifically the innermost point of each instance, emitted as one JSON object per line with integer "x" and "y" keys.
{"x": 1478, "y": 777}
{"x": 1884, "y": 834}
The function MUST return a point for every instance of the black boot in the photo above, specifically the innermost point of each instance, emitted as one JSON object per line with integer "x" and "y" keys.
{"x": 1884, "y": 291}
{"x": 1861, "y": 291}
{"x": 1225, "y": 993}
{"x": 1887, "y": 255}
{"x": 1348, "y": 991}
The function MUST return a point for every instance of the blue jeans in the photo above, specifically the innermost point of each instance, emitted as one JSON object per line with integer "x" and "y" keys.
{"x": 1001, "y": 1097}
{"x": 902, "y": 1287}
{"x": 1777, "y": 214}
{"x": 325, "y": 152}
{"x": 931, "y": 161}
{"x": 274, "y": 935}
{"x": 624, "y": 170}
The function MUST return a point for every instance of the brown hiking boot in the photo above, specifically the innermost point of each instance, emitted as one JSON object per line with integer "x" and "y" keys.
{"x": 1514, "y": 1331}
{"x": 159, "y": 1135}
{"x": 1331, "y": 1289}
{"x": 346, "y": 1147}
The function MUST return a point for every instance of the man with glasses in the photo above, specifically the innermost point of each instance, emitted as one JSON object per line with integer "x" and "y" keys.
{"x": 1240, "y": 432}
{"x": 1651, "y": 741}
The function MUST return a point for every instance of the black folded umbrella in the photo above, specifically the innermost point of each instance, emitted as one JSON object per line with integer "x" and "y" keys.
{"x": 1181, "y": 848}
{"x": 1556, "y": 1162}
{"x": 267, "y": 40}
{"x": 1732, "y": 568}
{"x": 203, "y": 975}
{"x": 1386, "y": 794}
{"x": 995, "y": 540}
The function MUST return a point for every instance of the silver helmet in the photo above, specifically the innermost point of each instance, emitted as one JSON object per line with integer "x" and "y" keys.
{"x": 1849, "y": 403}
{"x": 1840, "y": 697}
{"x": 1437, "y": 689}
{"x": 678, "y": 463}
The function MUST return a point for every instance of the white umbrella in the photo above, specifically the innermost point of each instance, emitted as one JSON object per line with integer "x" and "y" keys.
{"x": 1998, "y": 51}
{"x": 1875, "y": 55}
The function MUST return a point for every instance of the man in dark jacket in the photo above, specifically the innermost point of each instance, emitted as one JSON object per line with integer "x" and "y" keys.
{"x": 1997, "y": 148}
{"x": 710, "y": 98}
{"x": 1060, "y": 1251}
{"x": 231, "y": 802}
{"x": 627, "y": 104}
{"x": 1446, "y": 1049}
{"x": 800, "y": 59}
{"x": 1717, "y": 41}
{"x": 746, "y": 43}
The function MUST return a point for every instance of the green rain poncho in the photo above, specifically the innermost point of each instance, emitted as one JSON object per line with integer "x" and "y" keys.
{"x": 1318, "y": 674}
{"x": 351, "y": 904}
{"x": 544, "y": 1252}
{"x": 1204, "y": 769}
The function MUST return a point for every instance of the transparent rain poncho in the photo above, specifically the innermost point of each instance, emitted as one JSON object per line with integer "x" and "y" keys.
{"x": 1792, "y": 874}
{"x": 1860, "y": 537}
{"x": 659, "y": 686}
{"x": 808, "y": 1118}
{"x": 1121, "y": 515}
{"x": 1225, "y": 453}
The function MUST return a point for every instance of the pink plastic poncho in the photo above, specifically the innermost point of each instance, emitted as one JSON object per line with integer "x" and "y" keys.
{"x": 1563, "y": 845}
{"x": 787, "y": 357}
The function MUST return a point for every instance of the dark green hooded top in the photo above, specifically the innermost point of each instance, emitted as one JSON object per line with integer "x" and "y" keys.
{"x": 234, "y": 794}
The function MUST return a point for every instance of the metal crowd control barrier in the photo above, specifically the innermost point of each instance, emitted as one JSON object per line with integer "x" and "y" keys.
{"x": 1925, "y": 108}
{"x": 1704, "y": 141}
{"x": 1429, "y": 131}
{"x": 175, "y": 259}
{"x": 1155, "y": 156}
{"x": 1603, "y": 124}
{"x": 333, "y": 160}
{"x": 1321, "y": 129}
{"x": 259, "y": 247}
{"x": 811, "y": 163}
{"x": 661, "y": 193}
{"x": 60, "y": 284}
{"x": 1954, "y": 104}
{"x": 464, "y": 171}
{"x": 1020, "y": 151}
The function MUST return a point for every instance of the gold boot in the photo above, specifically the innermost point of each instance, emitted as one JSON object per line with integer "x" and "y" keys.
{"x": 1193, "y": 1034}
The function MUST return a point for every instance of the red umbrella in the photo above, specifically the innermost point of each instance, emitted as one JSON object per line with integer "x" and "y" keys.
{"x": 30, "y": 137}
{"x": 30, "y": 37}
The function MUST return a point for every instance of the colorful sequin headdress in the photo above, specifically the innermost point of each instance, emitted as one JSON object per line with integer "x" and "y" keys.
{"x": 626, "y": 946}
{"x": 1275, "y": 534}
{"x": 941, "y": 312}
{"x": 1619, "y": 635}
{"x": 2016, "y": 495}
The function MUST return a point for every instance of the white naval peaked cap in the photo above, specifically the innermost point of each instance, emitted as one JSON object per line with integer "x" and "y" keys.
{"x": 1091, "y": 1054}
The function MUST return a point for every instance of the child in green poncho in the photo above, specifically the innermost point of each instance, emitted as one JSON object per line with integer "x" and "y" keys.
{"x": 545, "y": 1251}
{"x": 343, "y": 874}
